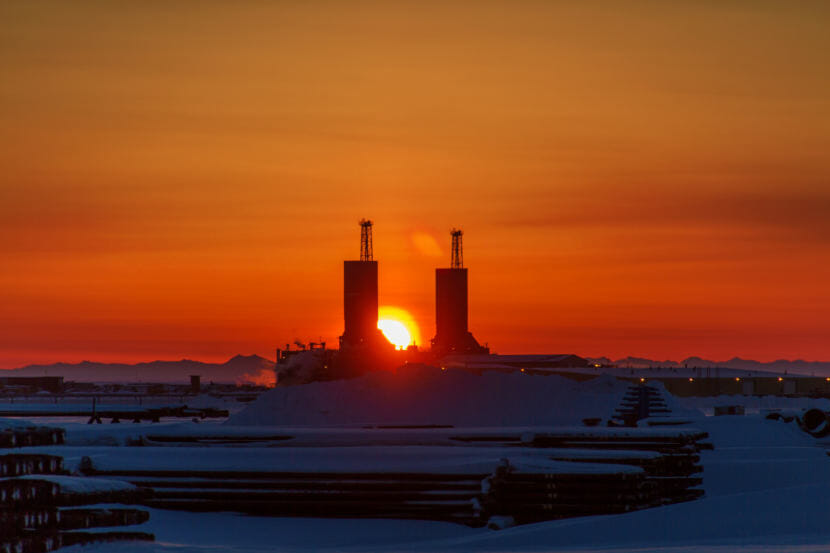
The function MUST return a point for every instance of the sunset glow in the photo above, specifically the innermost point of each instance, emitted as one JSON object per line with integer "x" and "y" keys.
{"x": 648, "y": 181}
{"x": 357, "y": 255}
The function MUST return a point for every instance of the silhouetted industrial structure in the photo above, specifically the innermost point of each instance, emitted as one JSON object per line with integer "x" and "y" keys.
{"x": 457, "y": 259}
{"x": 52, "y": 384}
{"x": 366, "y": 240}
{"x": 364, "y": 348}
{"x": 451, "y": 311}
{"x": 360, "y": 296}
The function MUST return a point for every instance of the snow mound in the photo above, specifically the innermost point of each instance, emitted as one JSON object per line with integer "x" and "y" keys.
{"x": 427, "y": 396}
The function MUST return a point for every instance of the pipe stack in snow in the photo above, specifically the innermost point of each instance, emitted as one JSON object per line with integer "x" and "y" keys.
{"x": 35, "y": 493}
{"x": 478, "y": 476}
{"x": 815, "y": 423}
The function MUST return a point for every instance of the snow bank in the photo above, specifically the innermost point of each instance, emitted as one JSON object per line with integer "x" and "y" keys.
{"x": 720, "y": 524}
{"x": 186, "y": 532}
{"x": 434, "y": 397}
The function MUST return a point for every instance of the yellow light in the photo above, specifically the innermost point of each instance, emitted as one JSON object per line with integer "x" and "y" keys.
{"x": 827, "y": 379}
{"x": 522, "y": 370}
{"x": 780, "y": 379}
{"x": 395, "y": 332}
{"x": 737, "y": 379}
{"x": 642, "y": 380}
{"x": 398, "y": 326}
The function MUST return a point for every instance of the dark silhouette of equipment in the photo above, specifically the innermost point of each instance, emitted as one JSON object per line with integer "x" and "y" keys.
{"x": 457, "y": 261}
{"x": 365, "y": 240}
{"x": 360, "y": 296}
{"x": 451, "y": 311}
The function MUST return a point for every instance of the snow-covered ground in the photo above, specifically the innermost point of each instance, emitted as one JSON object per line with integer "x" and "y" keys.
{"x": 434, "y": 397}
{"x": 767, "y": 483}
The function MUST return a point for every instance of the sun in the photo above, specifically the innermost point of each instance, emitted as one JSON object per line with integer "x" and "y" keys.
{"x": 398, "y": 326}
{"x": 395, "y": 332}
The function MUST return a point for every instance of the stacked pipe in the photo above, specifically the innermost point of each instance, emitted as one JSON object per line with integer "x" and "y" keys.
{"x": 21, "y": 464}
{"x": 815, "y": 422}
{"x": 652, "y": 462}
{"x": 40, "y": 435}
{"x": 527, "y": 498}
{"x": 34, "y": 493}
{"x": 433, "y": 496}
{"x": 669, "y": 459}
{"x": 471, "y": 499}
{"x": 30, "y": 436}
{"x": 561, "y": 473}
{"x": 640, "y": 439}
{"x": 641, "y": 401}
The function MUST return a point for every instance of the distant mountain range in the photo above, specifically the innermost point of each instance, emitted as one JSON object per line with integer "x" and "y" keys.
{"x": 797, "y": 366}
{"x": 254, "y": 369}
{"x": 239, "y": 369}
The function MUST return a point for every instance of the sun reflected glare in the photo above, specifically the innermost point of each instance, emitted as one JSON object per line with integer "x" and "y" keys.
{"x": 398, "y": 326}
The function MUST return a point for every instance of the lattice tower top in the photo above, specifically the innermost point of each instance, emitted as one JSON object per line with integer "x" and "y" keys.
{"x": 366, "y": 240}
{"x": 457, "y": 261}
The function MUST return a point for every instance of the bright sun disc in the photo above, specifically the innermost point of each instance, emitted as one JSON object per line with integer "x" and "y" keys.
{"x": 395, "y": 332}
{"x": 398, "y": 326}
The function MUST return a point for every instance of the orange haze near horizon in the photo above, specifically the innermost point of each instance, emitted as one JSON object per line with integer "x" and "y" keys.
{"x": 184, "y": 179}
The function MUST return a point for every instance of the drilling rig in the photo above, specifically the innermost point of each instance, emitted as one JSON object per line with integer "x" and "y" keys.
{"x": 360, "y": 297}
{"x": 452, "y": 335}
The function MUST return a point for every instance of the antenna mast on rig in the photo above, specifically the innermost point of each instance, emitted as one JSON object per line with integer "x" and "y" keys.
{"x": 365, "y": 240}
{"x": 457, "y": 250}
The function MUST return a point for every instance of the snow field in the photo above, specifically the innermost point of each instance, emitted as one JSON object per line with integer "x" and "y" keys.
{"x": 767, "y": 483}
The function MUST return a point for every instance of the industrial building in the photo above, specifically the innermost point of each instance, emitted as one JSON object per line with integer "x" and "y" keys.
{"x": 360, "y": 298}
{"x": 52, "y": 384}
{"x": 452, "y": 333}
{"x": 535, "y": 364}
{"x": 363, "y": 347}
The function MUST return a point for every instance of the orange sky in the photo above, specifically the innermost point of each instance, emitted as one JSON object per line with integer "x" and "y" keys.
{"x": 184, "y": 179}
